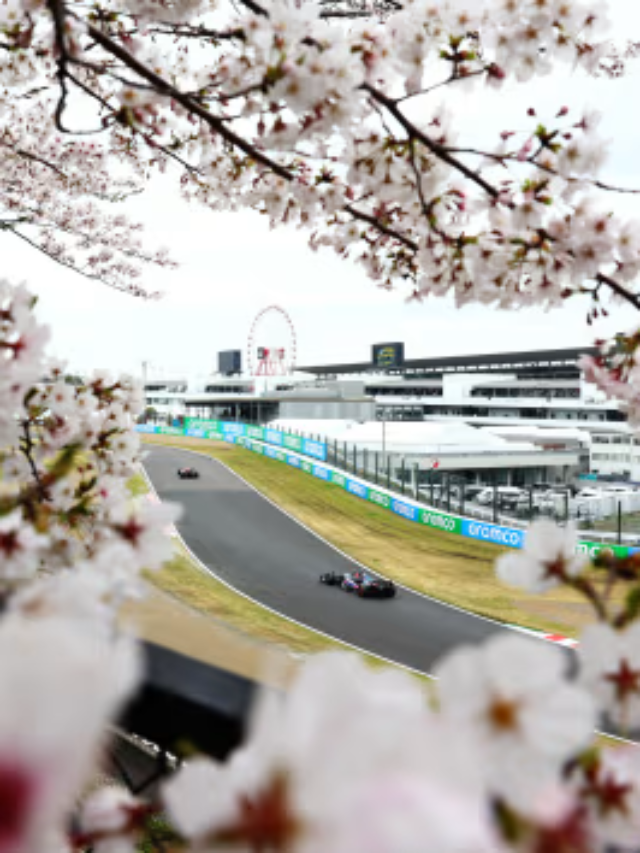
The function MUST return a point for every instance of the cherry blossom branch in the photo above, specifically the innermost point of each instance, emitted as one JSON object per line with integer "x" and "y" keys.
{"x": 619, "y": 290}
{"x": 167, "y": 89}
{"x": 130, "y": 289}
{"x": 451, "y": 79}
{"x": 20, "y": 152}
{"x": 254, "y": 7}
{"x": 438, "y": 150}
{"x": 512, "y": 157}
{"x": 389, "y": 232}
{"x": 27, "y": 447}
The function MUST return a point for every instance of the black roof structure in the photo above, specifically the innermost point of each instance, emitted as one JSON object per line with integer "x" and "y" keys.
{"x": 530, "y": 363}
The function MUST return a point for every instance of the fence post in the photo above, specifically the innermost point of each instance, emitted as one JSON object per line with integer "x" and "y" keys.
{"x": 462, "y": 498}
{"x": 431, "y": 485}
{"x": 530, "y": 503}
{"x": 355, "y": 460}
{"x": 365, "y": 462}
{"x": 448, "y": 492}
{"x": 416, "y": 476}
{"x": 388, "y": 471}
{"x": 566, "y": 507}
{"x": 402, "y": 473}
{"x": 495, "y": 502}
{"x": 377, "y": 481}
{"x": 345, "y": 459}
{"x": 619, "y": 523}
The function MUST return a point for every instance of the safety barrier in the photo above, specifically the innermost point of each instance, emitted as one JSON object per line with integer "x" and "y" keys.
{"x": 511, "y": 537}
{"x": 227, "y": 430}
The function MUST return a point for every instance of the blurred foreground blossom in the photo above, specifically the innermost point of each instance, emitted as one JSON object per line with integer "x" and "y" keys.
{"x": 610, "y": 669}
{"x": 548, "y": 558}
{"x": 526, "y": 719}
{"x": 350, "y": 760}
{"x": 61, "y": 684}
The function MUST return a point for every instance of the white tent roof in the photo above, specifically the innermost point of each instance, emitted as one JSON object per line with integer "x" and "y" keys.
{"x": 426, "y": 437}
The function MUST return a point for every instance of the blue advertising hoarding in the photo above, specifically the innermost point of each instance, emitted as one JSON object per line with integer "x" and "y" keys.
{"x": 404, "y": 509}
{"x": 317, "y": 449}
{"x": 357, "y": 488}
{"x": 513, "y": 537}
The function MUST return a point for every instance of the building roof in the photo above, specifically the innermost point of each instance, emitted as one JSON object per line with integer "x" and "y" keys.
{"x": 410, "y": 437}
{"x": 491, "y": 362}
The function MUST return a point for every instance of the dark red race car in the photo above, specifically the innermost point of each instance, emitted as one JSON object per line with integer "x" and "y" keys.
{"x": 188, "y": 474}
{"x": 363, "y": 584}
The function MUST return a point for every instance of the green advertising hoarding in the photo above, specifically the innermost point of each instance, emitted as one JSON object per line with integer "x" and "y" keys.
{"x": 169, "y": 430}
{"x": 338, "y": 479}
{"x": 256, "y": 432}
{"x": 379, "y": 498}
{"x": 591, "y": 549}
{"x": 201, "y": 423}
{"x": 293, "y": 442}
{"x": 441, "y": 521}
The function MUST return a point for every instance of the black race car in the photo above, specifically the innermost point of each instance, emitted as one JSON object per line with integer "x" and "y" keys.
{"x": 188, "y": 473}
{"x": 363, "y": 584}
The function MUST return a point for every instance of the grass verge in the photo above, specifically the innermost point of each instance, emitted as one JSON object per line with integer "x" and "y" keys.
{"x": 184, "y": 580}
{"x": 452, "y": 569}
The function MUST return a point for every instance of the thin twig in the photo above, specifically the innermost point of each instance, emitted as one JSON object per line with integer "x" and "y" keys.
{"x": 438, "y": 150}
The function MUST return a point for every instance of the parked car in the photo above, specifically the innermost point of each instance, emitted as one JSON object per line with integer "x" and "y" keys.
{"x": 507, "y": 495}
{"x": 472, "y": 492}
{"x": 540, "y": 502}
{"x": 589, "y": 493}
{"x": 542, "y": 487}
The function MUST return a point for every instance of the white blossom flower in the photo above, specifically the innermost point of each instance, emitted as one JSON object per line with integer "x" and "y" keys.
{"x": 526, "y": 719}
{"x": 64, "y": 684}
{"x": 108, "y": 818}
{"x": 610, "y": 670}
{"x": 20, "y": 548}
{"x": 142, "y": 528}
{"x": 549, "y": 556}
{"x": 286, "y": 788}
{"x": 611, "y": 791}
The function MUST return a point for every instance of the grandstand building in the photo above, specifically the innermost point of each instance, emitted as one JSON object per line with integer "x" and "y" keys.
{"x": 541, "y": 396}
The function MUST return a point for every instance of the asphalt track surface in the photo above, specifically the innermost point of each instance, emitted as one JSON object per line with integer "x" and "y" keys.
{"x": 261, "y": 551}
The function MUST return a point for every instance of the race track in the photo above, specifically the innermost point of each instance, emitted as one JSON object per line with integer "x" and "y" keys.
{"x": 262, "y": 552}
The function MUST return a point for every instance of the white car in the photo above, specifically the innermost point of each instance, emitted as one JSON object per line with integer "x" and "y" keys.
{"x": 589, "y": 493}
{"x": 506, "y": 494}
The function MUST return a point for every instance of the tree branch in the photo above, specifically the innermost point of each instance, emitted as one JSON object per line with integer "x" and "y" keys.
{"x": 190, "y": 105}
{"x": 130, "y": 289}
{"x": 619, "y": 290}
{"x": 438, "y": 150}
{"x": 366, "y": 217}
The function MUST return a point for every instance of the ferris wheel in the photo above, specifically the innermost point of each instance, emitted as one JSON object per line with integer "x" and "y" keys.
{"x": 272, "y": 343}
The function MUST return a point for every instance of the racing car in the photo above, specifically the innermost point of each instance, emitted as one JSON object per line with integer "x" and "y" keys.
{"x": 363, "y": 584}
{"x": 188, "y": 473}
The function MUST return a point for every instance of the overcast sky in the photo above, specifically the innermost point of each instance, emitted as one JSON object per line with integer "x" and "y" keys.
{"x": 232, "y": 266}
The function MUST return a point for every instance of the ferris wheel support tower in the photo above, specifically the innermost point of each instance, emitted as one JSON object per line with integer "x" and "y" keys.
{"x": 269, "y": 360}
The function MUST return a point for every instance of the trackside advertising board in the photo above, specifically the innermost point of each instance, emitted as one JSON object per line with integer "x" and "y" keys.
{"x": 509, "y": 537}
{"x": 228, "y": 431}
{"x": 513, "y": 537}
